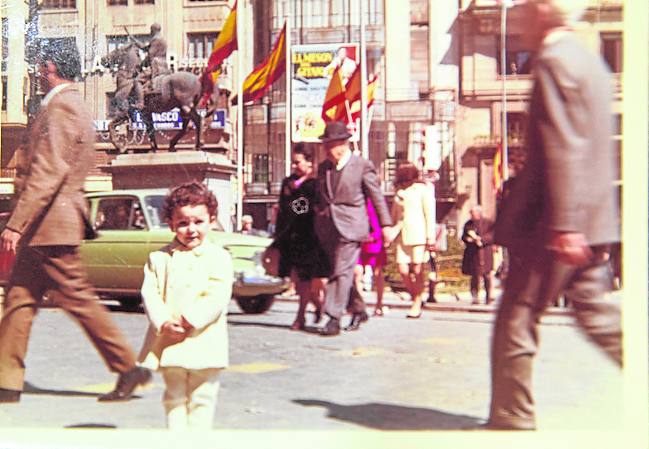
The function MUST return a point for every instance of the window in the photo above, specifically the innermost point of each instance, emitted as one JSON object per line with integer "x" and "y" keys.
{"x": 119, "y": 214}
{"x": 611, "y": 48}
{"x": 112, "y": 42}
{"x": 617, "y": 124}
{"x": 5, "y": 43}
{"x": 260, "y": 168}
{"x": 117, "y": 2}
{"x": 70, "y": 4}
{"x": 516, "y": 126}
{"x": 326, "y": 13}
{"x": 518, "y": 61}
{"x": 199, "y": 45}
{"x": 4, "y": 93}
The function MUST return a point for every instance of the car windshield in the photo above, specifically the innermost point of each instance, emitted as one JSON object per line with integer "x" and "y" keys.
{"x": 153, "y": 204}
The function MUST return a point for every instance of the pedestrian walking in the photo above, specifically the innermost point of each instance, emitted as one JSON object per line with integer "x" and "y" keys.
{"x": 374, "y": 257}
{"x": 344, "y": 182}
{"x": 561, "y": 214}
{"x": 478, "y": 261}
{"x": 46, "y": 228}
{"x": 301, "y": 255}
{"x": 413, "y": 212}
{"x": 186, "y": 290}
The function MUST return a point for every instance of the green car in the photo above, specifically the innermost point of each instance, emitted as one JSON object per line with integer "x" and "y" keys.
{"x": 130, "y": 226}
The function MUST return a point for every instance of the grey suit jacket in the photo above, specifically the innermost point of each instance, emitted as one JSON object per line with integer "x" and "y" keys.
{"x": 567, "y": 182}
{"x": 59, "y": 156}
{"x": 344, "y": 210}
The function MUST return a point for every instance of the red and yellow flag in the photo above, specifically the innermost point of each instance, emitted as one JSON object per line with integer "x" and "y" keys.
{"x": 266, "y": 73}
{"x": 334, "y": 101}
{"x": 498, "y": 167}
{"x": 225, "y": 44}
{"x": 353, "y": 96}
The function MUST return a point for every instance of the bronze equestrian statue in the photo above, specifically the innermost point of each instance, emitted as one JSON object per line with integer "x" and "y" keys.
{"x": 180, "y": 90}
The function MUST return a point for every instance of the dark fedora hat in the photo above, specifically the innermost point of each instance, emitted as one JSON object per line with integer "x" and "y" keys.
{"x": 335, "y": 131}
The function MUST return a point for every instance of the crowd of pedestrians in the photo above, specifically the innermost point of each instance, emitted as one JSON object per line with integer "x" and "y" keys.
{"x": 557, "y": 223}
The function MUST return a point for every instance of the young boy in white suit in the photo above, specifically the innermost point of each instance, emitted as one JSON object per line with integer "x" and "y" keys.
{"x": 186, "y": 290}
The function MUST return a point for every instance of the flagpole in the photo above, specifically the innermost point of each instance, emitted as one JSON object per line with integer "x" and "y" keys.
{"x": 239, "y": 114}
{"x": 350, "y": 119}
{"x": 287, "y": 73}
{"x": 503, "y": 64}
{"x": 363, "y": 49}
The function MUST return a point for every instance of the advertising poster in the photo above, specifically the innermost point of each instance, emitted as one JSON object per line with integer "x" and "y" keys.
{"x": 312, "y": 67}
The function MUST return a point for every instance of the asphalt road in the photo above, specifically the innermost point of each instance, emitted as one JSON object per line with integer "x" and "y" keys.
{"x": 393, "y": 374}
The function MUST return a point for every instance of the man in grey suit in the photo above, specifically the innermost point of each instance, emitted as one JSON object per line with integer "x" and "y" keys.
{"x": 344, "y": 182}
{"x": 561, "y": 214}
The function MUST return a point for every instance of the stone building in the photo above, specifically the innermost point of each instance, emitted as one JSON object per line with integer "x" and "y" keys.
{"x": 99, "y": 26}
{"x": 438, "y": 97}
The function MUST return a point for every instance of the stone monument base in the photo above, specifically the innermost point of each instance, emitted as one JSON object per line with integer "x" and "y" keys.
{"x": 168, "y": 169}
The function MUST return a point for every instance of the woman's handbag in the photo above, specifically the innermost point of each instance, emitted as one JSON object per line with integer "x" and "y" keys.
{"x": 270, "y": 260}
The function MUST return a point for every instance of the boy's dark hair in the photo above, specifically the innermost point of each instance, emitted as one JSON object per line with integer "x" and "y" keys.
{"x": 64, "y": 54}
{"x": 189, "y": 194}
{"x": 302, "y": 149}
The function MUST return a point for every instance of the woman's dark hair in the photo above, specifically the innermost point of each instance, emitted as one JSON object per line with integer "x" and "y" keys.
{"x": 300, "y": 148}
{"x": 407, "y": 174}
{"x": 189, "y": 194}
{"x": 64, "y": 54}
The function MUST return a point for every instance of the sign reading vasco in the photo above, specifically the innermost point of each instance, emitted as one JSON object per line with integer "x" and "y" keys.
{"x": 169, "y": 120}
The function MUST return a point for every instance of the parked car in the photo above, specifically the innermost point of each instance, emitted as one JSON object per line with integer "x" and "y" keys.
{"x": 130, "y": 225}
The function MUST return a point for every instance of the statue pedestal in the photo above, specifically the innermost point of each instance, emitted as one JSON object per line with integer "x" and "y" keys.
{"x": 166, "y": 170}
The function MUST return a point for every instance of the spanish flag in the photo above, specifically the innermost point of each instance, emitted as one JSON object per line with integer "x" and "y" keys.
{"x": 353, "y": 96}
{"x": 498, "y": 167}
{"x": 266, "y": 73}
{"x": 334, "y": 101}
{"x": 223, "y": 47}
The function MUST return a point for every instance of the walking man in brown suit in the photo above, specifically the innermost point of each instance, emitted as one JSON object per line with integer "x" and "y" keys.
{"x": 561, "y": 215}
{"x": 46, "y": 228}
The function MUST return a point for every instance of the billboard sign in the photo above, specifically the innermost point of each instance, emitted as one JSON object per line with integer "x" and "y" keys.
{"x": 311, "y": 69}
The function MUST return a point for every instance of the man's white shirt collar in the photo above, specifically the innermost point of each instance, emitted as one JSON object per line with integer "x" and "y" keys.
{"x": 55, "y": 90}
{"x": 555, "y": 35}
{"x": 343, "y": 160}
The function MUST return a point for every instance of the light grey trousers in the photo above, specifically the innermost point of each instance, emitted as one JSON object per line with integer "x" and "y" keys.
{"x": 533, "y": 283}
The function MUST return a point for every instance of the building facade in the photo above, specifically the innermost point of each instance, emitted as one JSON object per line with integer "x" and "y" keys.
{"x": 438, "y": 97}
{"x": 98, "y": 27}
{"x": 480, "y": 89}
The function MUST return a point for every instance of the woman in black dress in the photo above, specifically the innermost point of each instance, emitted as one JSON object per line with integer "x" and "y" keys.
{"x": 301, "y": 255}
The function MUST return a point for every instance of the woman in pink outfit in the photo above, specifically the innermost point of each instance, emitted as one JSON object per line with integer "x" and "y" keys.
{"x": 373, "y": 255}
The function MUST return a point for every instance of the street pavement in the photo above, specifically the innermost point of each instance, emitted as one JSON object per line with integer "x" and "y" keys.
{"x": 394, "y": 373}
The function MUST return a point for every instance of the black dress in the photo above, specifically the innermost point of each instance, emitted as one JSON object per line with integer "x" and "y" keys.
{"x": 295, "y": 235}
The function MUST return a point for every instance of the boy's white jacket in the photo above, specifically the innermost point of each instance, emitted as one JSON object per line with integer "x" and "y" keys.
{"x": 195, "y": 284}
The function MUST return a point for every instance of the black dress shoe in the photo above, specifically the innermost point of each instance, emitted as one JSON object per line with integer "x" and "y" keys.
{"x": 357, "y": 319}
{"x": 331, "y": 328}
{"x": 7, "y": 396}
{"x": 127, "y": 383}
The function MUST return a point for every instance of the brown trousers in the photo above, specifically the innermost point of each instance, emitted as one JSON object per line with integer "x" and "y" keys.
{"x": 56, "y": 269}
{"x": 534, "y": 282}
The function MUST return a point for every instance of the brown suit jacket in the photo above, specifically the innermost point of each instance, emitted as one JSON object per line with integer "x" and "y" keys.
{"x": 567, "y": 182}
{"x": 59, "y": 156}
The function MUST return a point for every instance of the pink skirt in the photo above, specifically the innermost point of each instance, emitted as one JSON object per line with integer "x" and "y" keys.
{"x": 373, "y": 259}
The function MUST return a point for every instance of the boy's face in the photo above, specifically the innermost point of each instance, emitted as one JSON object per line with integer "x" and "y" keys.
{"x": 191, "y": 224}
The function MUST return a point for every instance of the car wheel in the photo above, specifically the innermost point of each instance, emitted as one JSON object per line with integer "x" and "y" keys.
{"x": 130, "y": 302}
{"x": 255, "y": 304}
